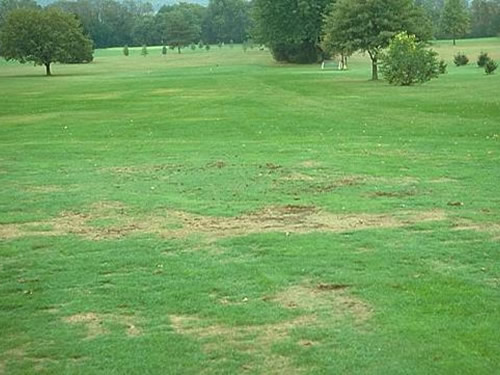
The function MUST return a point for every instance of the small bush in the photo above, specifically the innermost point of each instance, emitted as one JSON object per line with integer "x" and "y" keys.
{"x": 144, "y": 51}
{"x": 200, "y": 44}
{"x": 125, "y": 50}
{"x": 442, "y": 67}
{"x": 193, "y": 46}
{"x": 207, "y": 47}
{"x": 460, "y": 59}
{"x": 482, "y": 59}
{"x": 164, "y": 50}
{"x": 490, "y": 67}
{"x": 407, "y": 61}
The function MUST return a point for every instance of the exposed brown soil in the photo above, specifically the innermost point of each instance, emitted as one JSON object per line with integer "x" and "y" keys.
{"x": 178, "y": 224}
{"x": 95, "y": 324}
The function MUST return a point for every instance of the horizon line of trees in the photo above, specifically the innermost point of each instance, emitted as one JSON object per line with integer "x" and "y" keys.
{"x": 111, "y": 23}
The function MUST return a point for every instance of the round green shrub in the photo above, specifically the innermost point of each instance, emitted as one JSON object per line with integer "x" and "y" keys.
{"x": 482, "y": 59}
{"x": 407, "y": 61}
{"x": 490, "y": 67}
{"x": 460, "y": 59}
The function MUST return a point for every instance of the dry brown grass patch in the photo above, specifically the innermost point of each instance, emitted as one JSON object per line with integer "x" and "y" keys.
{"x": 92, "y": 322}
{"x": 166, "y": 91}
{"x": 309, "y": 164}
{"x": 95, "y": 324}
{"x": 330, "y": 301}
{"x": 485, "y": 227}
{"x": 179, "y": 224}
{"x": 26, "y": 119}
{"x": 44, "y": 189}
{"x": 256, "y": 340}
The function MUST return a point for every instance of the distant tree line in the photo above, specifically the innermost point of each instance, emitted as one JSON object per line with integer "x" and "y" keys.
{"x": 293, "y": 30}
{"x": 111, "y": 23}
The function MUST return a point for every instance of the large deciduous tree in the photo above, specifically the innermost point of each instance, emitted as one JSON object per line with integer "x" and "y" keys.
{"x": 226, "y": 21}
{"x": 369, "y": 25}
{"x": 44, "y": 37}
{"x": 291, "y": 29}
{"x": 455, "y": 19}
{"x": 180, "y": 28}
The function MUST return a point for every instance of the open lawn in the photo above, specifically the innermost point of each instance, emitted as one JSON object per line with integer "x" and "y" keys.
{"x": 219, "y": 213}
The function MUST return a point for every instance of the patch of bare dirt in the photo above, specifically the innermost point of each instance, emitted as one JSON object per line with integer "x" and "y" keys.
{"x": 95, "y": 324}
{"x": 178, "y": 224}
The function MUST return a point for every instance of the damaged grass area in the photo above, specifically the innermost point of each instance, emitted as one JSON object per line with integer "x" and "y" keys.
{"x": 179, "y": 224}
{"x": 213, "y": 212}
{"x": 98, "y": 324}
{"x": 321, "y": 306}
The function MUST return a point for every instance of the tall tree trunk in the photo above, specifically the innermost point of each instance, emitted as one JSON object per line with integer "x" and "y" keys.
{"x": 47, "y": 69}
{"x": 374, "y": 68}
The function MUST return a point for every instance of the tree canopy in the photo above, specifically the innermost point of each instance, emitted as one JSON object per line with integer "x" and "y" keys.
{"x": 291, "y": 29}
{"x": 226, "y": 21}
{"x": 7, "y": 6}
{"x": 369, "y": 25}
{"x": 44, "y": 37}
{"x": 455, "y": 19}
{"x": 179, "y": 28}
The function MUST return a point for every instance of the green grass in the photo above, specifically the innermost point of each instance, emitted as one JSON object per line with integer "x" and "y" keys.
{"x": 216, "y": 212}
